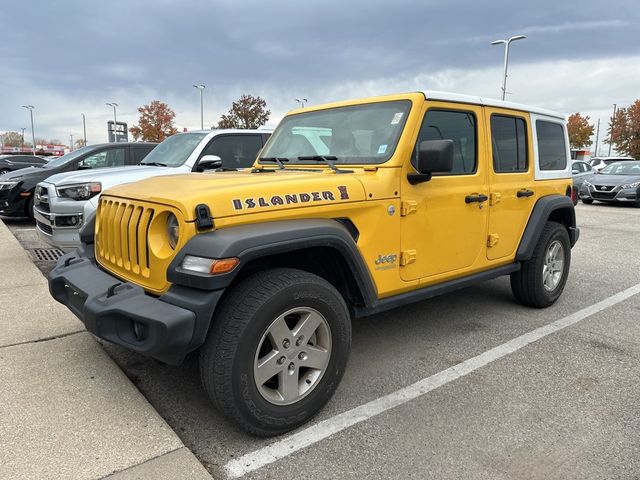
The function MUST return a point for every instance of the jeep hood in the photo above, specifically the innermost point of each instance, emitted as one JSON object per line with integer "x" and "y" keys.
{"x": 236, "y": 193}
{"x": 109, "y": 176}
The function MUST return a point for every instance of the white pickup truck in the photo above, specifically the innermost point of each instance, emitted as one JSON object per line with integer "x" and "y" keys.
{"x": 64, "y": 202}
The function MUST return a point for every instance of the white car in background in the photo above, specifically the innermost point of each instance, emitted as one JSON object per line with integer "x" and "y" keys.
{"x": 64, "y": 202}
{"x": 598, "y": 163}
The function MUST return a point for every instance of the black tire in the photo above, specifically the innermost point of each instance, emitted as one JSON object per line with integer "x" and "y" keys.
{"x": 228, "y": 355}
{"x": 4, "y": 170}
{"x": 29, "y": 208}
{"x": 527, "y": 283}
{"x": 587, "y": 201}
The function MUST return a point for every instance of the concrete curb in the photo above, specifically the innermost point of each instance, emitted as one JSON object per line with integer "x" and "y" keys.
{"x": 66, "y": 409}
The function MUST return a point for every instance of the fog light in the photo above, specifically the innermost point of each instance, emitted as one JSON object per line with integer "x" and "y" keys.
{"x": 211, "y": 266}
{"x": 67, "y": 221}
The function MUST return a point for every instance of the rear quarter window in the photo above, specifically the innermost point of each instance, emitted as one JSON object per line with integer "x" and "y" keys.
{"x": 552, "y": 149}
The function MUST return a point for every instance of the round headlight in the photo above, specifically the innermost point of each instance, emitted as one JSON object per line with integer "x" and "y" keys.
{"x": 173, "y": 230}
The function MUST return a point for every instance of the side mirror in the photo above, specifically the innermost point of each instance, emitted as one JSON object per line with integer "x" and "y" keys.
{"x": 209, "y": 162}
{"x": 575, "y": 172}
{"x": 434, "y": 156}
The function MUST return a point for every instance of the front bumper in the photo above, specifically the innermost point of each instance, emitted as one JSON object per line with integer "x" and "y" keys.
{"x": 166, "y": 328}
{"x": 65, "y": 238}
{"x": 12, "y": 204}
{"x": 616, "y": 194}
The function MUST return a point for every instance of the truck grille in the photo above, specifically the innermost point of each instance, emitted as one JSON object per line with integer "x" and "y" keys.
{"x": 121, "y": 236}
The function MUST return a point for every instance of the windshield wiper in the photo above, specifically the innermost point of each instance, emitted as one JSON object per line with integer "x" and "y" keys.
{"x": 155, "y": 164}
{"x": 328, "y": 159}
{"x": 278, "y": 160}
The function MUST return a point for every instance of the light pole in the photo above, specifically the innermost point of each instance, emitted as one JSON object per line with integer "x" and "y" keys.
{"x": 84, "y": 129}
{"x": 613, "y": 124}
{"x": 33, "y": 134}
{"x": 71, "y": 142}
{"x": 301, "y": 101}
{"x": 201, "y": 87}
{"x": 115, "y": 123}
{"x": 506, "y": 59}
{"x": 22, "y": 142}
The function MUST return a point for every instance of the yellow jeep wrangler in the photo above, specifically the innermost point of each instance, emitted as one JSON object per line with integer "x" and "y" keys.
{"x": 351, "y": 209}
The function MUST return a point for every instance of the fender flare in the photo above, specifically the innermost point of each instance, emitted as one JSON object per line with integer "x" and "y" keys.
{"x": 542, "y": 210}
{"x": 249, "y": 242}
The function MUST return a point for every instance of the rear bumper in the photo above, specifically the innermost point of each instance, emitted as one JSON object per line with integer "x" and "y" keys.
{"x": 166, "y": 328}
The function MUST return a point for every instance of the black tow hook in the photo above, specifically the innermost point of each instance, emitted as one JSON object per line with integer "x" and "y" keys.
{"x": 111, "y": 291}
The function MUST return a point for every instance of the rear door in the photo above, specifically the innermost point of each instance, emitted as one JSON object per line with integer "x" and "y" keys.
{"x": 511, "y": 180}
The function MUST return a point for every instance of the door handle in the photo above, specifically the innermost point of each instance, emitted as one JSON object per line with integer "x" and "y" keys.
{"x": 475, "y": 198}
{"x": 524, "y": 193}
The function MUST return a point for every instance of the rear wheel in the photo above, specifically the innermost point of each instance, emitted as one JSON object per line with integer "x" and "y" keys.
{"x": 541, "y": 279}
{"x": 276, "y": 351}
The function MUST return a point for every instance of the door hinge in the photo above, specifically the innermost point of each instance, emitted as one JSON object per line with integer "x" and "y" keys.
{"x": 493, "y": 239}
{"x": 407, "y": 257}
{"x": 494, "y": 198}
{"x": 408, "y": 207}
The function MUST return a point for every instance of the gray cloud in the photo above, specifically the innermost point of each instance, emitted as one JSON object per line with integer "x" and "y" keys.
{"x": 72, "y": 57}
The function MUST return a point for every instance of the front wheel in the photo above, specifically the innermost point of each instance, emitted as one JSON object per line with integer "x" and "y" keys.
{"x": 542, "y": 278}
{"x": 277, "y": 350}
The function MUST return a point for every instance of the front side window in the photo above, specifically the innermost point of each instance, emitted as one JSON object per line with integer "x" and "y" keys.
{"x": 452, "y": 125}
{"x": 235, "y": 151}
{"x": 357, "y": 134}
{"x": 552, "y": 149}
{"x": 509, "y": 144}
{"x": 113, "y": 157}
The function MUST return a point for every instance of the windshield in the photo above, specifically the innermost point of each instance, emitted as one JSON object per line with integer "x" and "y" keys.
{"x": 359, "y": 134}
{"x": 175, "y": 150}
{"x": 622, "y": 168}
{"x": 63, "y": 160}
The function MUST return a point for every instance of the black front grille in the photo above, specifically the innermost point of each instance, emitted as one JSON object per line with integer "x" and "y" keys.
{"x": 603, "y": 195}
{"x": 45, "y": 228}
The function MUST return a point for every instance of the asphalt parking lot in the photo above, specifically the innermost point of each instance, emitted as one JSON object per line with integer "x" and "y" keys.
{"x": 563, "y": 406}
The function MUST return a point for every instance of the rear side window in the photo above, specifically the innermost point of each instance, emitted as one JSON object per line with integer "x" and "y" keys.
{"x": 457, "y": 126}
{"x": 139, "y": 153}
{"x": 552, "y": 150}
{"x": 509, "y": 144}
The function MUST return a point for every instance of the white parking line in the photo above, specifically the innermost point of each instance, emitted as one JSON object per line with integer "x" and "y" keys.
{"x": 313, "y": 434}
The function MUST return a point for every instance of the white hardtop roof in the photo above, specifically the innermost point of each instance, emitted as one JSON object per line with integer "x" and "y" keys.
{"x": 232, "y": 130}
{"x": 490, "y": 102}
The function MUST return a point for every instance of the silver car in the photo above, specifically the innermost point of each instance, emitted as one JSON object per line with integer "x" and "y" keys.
{"x": 64, "y": 202}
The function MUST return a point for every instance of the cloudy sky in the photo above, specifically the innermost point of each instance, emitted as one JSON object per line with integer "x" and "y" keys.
{"x": 70, "y": 57}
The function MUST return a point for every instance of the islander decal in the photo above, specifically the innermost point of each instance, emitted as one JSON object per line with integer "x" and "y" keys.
{"x": 288, "y": 199}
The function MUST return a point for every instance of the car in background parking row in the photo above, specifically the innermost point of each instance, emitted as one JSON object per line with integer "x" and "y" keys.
{"x": 598, "y": 163}
{"x": 17, "y": 188}
{"x": 10, "y": 163}
{"x": 67, "y": 201}
{"x": 616, "y": 183}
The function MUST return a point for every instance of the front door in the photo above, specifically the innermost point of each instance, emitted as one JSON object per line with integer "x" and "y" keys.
{"x": 444, "y": 220}
{"x": 513, "y": 193}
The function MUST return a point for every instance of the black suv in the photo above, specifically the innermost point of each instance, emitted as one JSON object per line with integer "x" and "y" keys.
{"x": 17, "y": 188}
